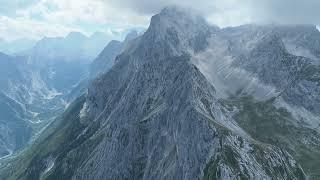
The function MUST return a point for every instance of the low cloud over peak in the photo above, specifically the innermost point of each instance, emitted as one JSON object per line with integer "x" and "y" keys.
{"x": 61, "y": 16}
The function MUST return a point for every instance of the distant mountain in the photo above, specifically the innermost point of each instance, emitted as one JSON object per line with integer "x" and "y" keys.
{"x": 68, "y": 48}
{"x": 301, "y": 40}
{"x": 96, "y": 43}
{"x": 102, "y": 63}
{"x": 17, "y": 46}
{"x": 38, "y": 85}
{"x": 31, "y": 97}
{"x": 187, "y": 100}
{"x": 15, "y": 131}
{"x": 27, "y": 103}
{"x": 106, "y": 59}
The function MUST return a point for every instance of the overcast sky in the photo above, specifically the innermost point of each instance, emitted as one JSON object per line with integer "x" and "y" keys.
{"x": 37, "y": 18}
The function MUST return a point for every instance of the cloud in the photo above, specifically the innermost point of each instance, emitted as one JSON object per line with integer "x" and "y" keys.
{"x": 19, "y": 28}
{"x": 59, "y": 16}
{"x": 287, "y": 11}
{"x": 74, "y": 11}
{"x": 8, "y": 7}
{"x": 234, "y": 12}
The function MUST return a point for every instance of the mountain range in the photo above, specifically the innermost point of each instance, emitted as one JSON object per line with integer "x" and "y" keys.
{"x": 16, "y": 46}
{"x": 188, "y": 100}
{"x": 38, "y": 83}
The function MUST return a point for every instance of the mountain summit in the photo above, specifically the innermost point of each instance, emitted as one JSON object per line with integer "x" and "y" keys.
{"x": 172, "y": 107}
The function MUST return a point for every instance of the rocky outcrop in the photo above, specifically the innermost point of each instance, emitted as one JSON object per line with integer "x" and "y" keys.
{"x": 163, "y": 110}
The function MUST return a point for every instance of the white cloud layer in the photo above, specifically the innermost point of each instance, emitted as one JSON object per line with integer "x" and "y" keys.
{"x": 37, "y": 18}
{"x": 59, "y": 17}
{"x": 19, "y": 28}
{"x": 234, "y": 12}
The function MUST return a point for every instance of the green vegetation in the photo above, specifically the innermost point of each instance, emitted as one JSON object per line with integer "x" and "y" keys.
{"x": 275, "y": 126}
{"x": 211, "y": 172}
{"x": 227, "y": 157}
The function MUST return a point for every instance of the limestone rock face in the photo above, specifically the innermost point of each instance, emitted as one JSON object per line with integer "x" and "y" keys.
{"x": 162, "y": 120}
{"x": 187, "y": 100}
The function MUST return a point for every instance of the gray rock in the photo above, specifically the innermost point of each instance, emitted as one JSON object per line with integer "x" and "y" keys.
{"x": 175, "y": 105}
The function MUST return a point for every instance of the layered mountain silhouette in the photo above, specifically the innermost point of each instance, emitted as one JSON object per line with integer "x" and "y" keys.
{"x": 188, "y": 100}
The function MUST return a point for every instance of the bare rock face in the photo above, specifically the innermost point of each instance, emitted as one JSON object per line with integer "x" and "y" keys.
{"x": 162, "y": 119}
{"x": 188, "y": 101}
{"x": 170, "y": 130}
{"x": 106, "y": 59}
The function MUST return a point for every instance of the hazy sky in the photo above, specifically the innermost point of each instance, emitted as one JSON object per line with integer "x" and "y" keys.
{"x": 38, "y": 18}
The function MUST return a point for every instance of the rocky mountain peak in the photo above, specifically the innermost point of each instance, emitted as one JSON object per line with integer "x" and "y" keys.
{"x": 154, "y": 114}
{"x": 106, "y": 58}
{"x": 173, "y": 32}
{"x": 177, "y": 19}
